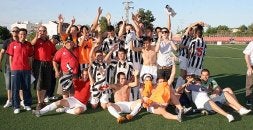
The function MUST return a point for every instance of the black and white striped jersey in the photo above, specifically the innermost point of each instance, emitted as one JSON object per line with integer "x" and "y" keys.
{"x": 197, "y": 48}
{"x": 125, "y": 67}
{"x": 108, "y": 43}
{"x": 185, "y": 42}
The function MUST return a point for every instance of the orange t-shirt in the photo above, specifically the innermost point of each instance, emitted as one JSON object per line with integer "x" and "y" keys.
{"x": 161, "y": 94}
{"x": 84, "y": 52}
{"x": 64, "y": 37}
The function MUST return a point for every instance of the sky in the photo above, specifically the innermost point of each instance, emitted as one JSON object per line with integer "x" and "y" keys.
{"x": 232, "y": 13}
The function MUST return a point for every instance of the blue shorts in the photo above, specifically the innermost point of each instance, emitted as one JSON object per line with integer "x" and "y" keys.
{"x": 218, "y": 100}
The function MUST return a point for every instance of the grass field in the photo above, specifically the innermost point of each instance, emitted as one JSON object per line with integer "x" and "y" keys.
{"x": 226, "y": 64}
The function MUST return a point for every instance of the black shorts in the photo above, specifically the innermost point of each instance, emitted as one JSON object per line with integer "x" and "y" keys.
{"x": 164, "y": 72}
{"x": 42, "y": 72}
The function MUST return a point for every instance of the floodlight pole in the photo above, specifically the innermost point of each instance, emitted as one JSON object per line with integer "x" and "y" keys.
{"x": 127, "y": 8}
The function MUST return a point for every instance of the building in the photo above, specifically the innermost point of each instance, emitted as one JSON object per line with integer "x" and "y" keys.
{"x": 30, "y": 27}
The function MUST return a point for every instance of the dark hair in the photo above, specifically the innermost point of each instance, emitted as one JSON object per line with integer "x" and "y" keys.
{"x": 81, "y": 29}
{"x": 198, "y": 30}
{"x": 23, "y": 29}
{"x": 165, "y": 29}
{"x": 149, "y": 28}
{"x": 122, "y": 50}
{"x": 120, "y": 73}
{"x": 149, "y": 39}
{"x": 75, "y": 27}
{"x": 98, "y": 51}
{"x": 110, "y": 28}
{"x": 205, "y": 70}
{"x": 157, "y": 28}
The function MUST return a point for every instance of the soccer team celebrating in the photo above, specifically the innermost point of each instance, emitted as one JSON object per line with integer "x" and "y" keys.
{"x": 122, "y": 71}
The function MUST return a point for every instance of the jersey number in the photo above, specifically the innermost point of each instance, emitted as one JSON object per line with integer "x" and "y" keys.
{"x": 199, "y": 51}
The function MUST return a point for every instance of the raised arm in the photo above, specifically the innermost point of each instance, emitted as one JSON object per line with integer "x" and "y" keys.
{"x": 136, "y": 26}
{"x": 108, "y": 18}
{"x": 169, "y": 20}
{"x": 70, "y": 25}
{"x": 92, "y": 81}
{"x": 172, "y": 75}
{"x": 108, "y": 56}
{"x": 122, "y": 28}
{"x": 95, "y": 22}
{"x": 136, "y": 79}
{"x": 138, "y": 49}
{"x": 60, "y": 22}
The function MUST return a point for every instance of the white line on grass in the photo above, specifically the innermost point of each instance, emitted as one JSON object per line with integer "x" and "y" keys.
{"x": 214, "y": 57}
{"x": 233, "y": 48}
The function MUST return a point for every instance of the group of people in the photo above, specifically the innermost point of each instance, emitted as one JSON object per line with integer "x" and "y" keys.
{"x": 122, "y": 71}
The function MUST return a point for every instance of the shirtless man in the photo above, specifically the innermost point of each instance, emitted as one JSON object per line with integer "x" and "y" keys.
{"x": 149, "y": 57}
{"x": 121, "y": 98}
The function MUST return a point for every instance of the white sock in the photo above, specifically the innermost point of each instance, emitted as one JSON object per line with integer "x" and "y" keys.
{"x": 48, "y": 108}
{"x": 113, "y": 112}
{"x": 71, "y": 111}
{"x": 136, "y": 109}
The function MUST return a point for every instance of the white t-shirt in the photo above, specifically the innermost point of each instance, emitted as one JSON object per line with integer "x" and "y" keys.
{"x": 164, "y": 56}
{"x": 248, "y": 50}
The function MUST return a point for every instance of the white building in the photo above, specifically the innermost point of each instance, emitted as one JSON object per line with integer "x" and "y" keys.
{"x": 27, "y": 25}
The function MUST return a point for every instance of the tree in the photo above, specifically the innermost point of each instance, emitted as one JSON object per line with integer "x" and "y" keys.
{"x": 103, "y": 24}
{"x": 31, "y": 36}
{"x": 243, "y": 28}
{"x": 211, "y": 31}
{"x": 146, "y": 17}
{"x": 4, "y": 33}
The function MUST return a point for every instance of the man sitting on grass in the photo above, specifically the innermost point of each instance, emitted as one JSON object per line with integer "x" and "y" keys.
{"x": 72, "y": 105}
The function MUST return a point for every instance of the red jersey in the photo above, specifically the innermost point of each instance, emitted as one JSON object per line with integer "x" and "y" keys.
{"x": 64, "y": 57}
{"x": 20, "y": 53}
{"x": 44, "y": 50}
{"x": 82, "y": 90}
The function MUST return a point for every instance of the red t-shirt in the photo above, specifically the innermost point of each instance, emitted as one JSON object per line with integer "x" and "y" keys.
{"x": 44, "y": 50}
{"x": 82, "y": 90}
{"x": 20, "y": 53}
{"x": 63, "y": 56}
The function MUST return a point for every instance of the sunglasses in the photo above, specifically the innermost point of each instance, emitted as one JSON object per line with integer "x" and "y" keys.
{"x": 164, "y": 32}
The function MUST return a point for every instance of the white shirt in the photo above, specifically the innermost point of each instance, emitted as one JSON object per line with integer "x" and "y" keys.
{"x": 248, "y": 51}
{"x": 164, "y": 56}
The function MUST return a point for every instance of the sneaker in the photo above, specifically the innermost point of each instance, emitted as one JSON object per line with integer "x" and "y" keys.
{"x": 36, "y": 113}
{"x": 54, "y": 98}
{"x": 204, "y": 112}
{"x": 28, "y": 108}
{"x": 230, "y": 118}
{"x": 244, "y": 111}
{"x": 22, "y": 103}
{"x": 186, "y": 110}
{"x": 129, "y": 117}
{"x": 60, "y": 110}
{"x": 179, "y": 115}
{"x": 121, "y": 119}
{"x": 7, "y": 104}
{"x": 46, "y": 99}
{"x": 248, "y": 102}
{"x": 179, "y": 118}
{"x": 16, "y": 111}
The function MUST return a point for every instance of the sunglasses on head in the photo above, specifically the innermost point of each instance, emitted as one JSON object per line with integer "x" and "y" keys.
{"x": 42, "y": 30}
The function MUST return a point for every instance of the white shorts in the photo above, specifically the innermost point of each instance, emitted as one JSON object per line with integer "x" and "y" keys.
{"x": 183, "y": 63}
{"x": 199, "y": 99}
{"x": 103, "y": 99}
{"x": 149, "y": 69}
{"x": 74, "y": 103}
{"x": 195, "y": 71}
{"x": 125, "y": 107}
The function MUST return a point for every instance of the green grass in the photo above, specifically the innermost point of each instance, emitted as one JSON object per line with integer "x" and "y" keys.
{"x": 227, "y": 71}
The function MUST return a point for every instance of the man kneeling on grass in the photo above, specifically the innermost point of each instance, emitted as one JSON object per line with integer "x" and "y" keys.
{"x": 72, "y": 105}
{"x": 121, "y": 98}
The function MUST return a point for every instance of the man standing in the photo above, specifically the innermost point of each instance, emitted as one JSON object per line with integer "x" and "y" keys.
{"x": 249, "y": 79}
{"x": 19, "y": 52}
{"x": 7, "y": 72}
{"x": 44, "y": 51}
